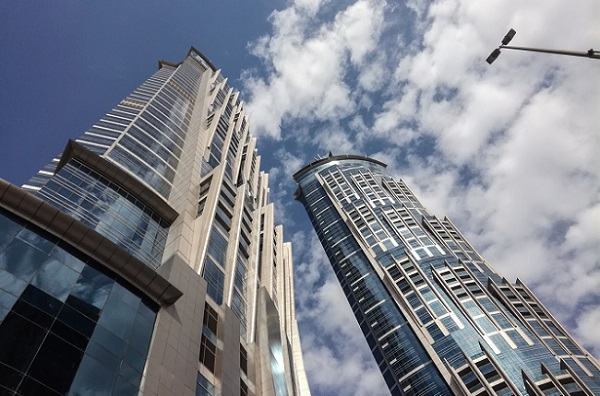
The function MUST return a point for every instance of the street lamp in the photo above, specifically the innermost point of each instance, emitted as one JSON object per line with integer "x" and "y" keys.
{"x": 511, "y": 33}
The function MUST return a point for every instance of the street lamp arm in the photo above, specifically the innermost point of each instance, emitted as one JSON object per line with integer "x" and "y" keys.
{"x": 511, "y": 33}
{"x": 584, "y": 54}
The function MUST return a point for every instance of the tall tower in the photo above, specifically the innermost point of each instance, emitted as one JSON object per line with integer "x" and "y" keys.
{"x": 438, "y": 319}
{"x": 145, "y": 259}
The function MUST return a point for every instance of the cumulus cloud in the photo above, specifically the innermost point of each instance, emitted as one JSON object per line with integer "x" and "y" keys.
{"x": 507, "y": 151}
{"x": 308, "y": 66}
{"x": 587, "y": 326}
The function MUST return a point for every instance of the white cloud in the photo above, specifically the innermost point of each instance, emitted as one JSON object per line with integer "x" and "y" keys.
{"x": 587, "y": 326}
{"x": 308, "y": 67}
{"x": 373, "y": 75}
{"x": 282, "y": 185}
{"x": 289, "y": 161}
{"x": 584, "y": 233}
{"x": 310, "y": 6}
{"x": 334, "y": 139}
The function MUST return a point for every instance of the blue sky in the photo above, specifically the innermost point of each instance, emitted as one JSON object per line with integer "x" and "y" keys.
{"x": 508, "y": 152}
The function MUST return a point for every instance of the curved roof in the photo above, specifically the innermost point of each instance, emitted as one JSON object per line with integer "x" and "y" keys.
{"x": 330, "y": 158}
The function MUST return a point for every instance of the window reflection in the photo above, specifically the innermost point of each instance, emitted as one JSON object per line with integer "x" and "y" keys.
{"x": 21, "y": 259}
{"x": 56, "y": 306}
{"x": 92, "y": 379}
{"x": 8, "y": 230}
{"x": 92, "y": 288}
{"x": 107, "y": 208}
{"x": 55, "y": 279}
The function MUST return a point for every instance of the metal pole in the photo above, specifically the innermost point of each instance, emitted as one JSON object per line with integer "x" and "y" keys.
{"x": 589, "y": 54}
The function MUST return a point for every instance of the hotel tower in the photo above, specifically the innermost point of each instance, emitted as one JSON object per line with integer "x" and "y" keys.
{"x": 437, "y": 317}
{"x": 144, "y": 260}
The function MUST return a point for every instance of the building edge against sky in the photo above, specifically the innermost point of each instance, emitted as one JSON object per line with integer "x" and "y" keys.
{"x": 437, "y": 317}
{"x": 145, "y": 258}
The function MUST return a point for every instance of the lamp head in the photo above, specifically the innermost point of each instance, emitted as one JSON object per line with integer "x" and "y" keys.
{"x": 509, "y": 36}
{"x": 495, "y": 53}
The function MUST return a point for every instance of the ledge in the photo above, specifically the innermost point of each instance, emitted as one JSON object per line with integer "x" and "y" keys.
{"x": 117, "y": 175}
{"x": 88, "y": 241}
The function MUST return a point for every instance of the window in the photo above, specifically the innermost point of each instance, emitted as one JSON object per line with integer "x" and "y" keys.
{"x": 243, "y": 359}
{"x": 215, "y": 278}
{"x": 211, "y": 318}
{"x": 208, "y": 352}
{"x": 203, "y": 387}
{"x": 208, "y": 347}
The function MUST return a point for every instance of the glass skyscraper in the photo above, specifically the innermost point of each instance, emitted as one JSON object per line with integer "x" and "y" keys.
{"x": 437, "y": 317}
{"x": 144, "y": 260}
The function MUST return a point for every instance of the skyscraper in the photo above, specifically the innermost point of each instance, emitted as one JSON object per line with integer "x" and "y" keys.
{"x": 145, "y": 259}
{"x": 437, "y": 317}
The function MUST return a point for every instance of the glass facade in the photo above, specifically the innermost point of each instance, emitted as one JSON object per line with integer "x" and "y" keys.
{"x": 109, "y": 209}
{"x": 438, "y": 319}
{"x": 67, "y": 325}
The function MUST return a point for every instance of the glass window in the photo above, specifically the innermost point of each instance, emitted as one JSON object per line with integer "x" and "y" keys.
{"x": 77, "y": 321}
{"x": 55, "y": 279}
{"x": 141, "y": 332}
{"x": 438, "y": 308}
{"x": 208, "y": 352}
{"x": 109, "y": 341}
{"x": 92, "y": 378}
{"x": 123, "y": 385}
{"x": 203, "y": 387}
{"x": 92, "y": 289}
{"x": 211, "y": 318}
{"x": 32, "y": 313}
{"x": 21, "y": 259}
{"x": 134, "y": 359}
{"x": 70, "y": 335}
{"x": 41, "y": 300}
{"x": 117, "y": 317}
{"x": 104, "y": 356}
{"x": 29, "y": 386}
{"x": 217, "y": 247}
{"x": 10, "y": 377}
{"x": 8, "y": 229}
{"x": 215, "y": 279}
{"x": 54, "y": 364}
{"x": 243, "y": 359}
{"x": 32, "y": 238}
{"x": 10, "y": 284}
{"x": 20, "y": 340}
{"x": 61, "y": 255}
